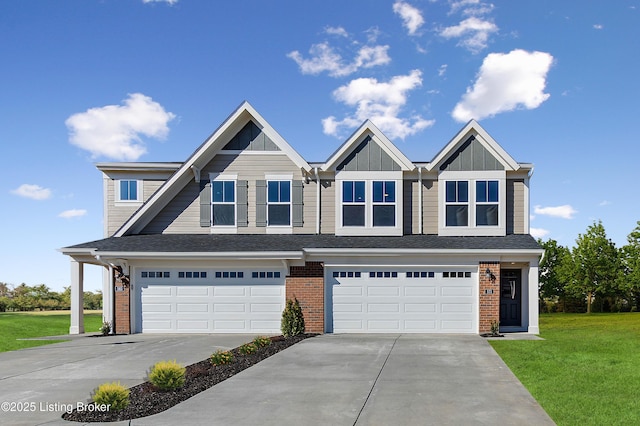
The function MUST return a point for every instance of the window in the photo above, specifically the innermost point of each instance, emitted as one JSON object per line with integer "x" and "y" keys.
{"x": 128, "y": 190}
{"x": 487, "y": 203}
{"x": 353, "y": 203}
{"x": 457, "y": 203}
{"x": 384, "y": 199}
{"x": 223, "y": 203}
{"x": 278, "y": 203}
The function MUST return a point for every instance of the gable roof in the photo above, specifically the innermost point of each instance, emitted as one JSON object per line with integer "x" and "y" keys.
{"x": 368, "y": 129}
{"x": 472, "y": 128}
{"x": 200, "y": 157}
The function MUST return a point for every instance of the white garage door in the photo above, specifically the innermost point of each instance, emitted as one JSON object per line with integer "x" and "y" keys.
{"x": 209, "y": 301}
{"x": 418, "y": 300}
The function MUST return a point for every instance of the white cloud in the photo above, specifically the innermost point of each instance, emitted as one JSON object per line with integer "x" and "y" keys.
{"x": 538, "y": 232}
{"x": 505, "y": 82}
{"x": 564, "y": 211}
{"x": 381, "y": 102}
{"x": 114, "y": 131}
{"x": 73, "y": 213}
{"x": 34, "y": 192}
{"x": 325, "y": 58}
{"x": 338, "y": 31}
{"x": 605, "y": 203}
{"x": 473, "y": 32}
{"x": 442, "y": 70}
{"x": 598, "y": 26}
{"x": 411, "y": 17}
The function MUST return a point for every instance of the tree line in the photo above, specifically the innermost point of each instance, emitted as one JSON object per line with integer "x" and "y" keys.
{"x": 42, "y": 298}
{"x": 593, "y": 276}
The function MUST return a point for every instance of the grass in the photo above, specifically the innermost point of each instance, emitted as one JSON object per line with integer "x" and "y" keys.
{"x": 21, "y": 325}
{"x": 586, "y": 371}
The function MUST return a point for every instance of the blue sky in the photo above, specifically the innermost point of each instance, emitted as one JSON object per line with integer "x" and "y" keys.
{"x": 84, "y": 81}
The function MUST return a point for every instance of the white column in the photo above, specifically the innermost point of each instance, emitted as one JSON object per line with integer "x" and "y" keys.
{"x": 107, "y": 295}
{"x": 77, "y": 293}
{"x": 533, "y": 298}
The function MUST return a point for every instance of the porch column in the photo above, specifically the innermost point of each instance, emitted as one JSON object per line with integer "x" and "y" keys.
{"x": 533, "y": 298}
{"x": 107, "y": 295}
{"x": 77, "y": 293}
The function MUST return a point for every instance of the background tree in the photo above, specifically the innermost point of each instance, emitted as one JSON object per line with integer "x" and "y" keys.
{"x": 596, "y": 264}
{"x": 629, "y": 276}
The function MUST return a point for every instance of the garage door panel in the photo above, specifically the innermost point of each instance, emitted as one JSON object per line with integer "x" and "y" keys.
{"x": 158, "y": 307}
{"x": 200, "y": 326}
{"x": 383, "y": 307}
{"x": 267, "y": 291}
{"x": 265, "y": 307}
{"x": 415, "y": 291}
{"x": 418, "y": 300}
{"x": 192, "y": 291}
{"x": 456, "y": 291}
{"x": 229, "y": 291}
{"x": 192, "y": 307}
{"x": 383, "y": 291}
{"x": 420, "y": 307}
{"x": 159, "y": 325}
{"x": 157, "y": 291}
{"x": 229, "y": 307}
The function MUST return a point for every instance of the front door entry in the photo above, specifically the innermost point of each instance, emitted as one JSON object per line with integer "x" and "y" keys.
{"x": 510, "y": 298}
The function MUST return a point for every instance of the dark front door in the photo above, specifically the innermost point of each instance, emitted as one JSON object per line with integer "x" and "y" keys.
{"x": 510, "y": 298}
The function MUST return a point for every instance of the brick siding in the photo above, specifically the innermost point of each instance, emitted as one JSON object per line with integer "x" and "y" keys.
{"x": 122, "y": 314}
{"x": 489, "y": 303}
{"x": 306, "y": 283}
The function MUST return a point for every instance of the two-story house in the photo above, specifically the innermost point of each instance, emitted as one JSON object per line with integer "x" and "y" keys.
{"x": 367, "y": 241}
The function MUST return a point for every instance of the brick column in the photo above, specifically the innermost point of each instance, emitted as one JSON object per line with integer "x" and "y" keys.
{"x": 306, "y": 283}
{"x": 122, "y": 315}
{"x": 489, "y": 295}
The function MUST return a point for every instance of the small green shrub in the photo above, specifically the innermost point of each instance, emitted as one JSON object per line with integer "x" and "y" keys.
{"x": 113, "y": 394}
{"x": 292, "y": 323}
{"x": 105, "y": 328}
{"x": 167, "y": 375}
{"x": 248, "y": 349}
{"x": 221, "y": 357}
{"x": 261, "y": 341}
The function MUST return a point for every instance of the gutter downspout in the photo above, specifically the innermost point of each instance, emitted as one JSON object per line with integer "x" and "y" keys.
{"x": 315, "y": 170}
{"x": 420, "y": 200}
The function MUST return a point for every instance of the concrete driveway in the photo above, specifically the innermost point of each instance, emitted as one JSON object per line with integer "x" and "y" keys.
{"x": 330, "y": 379}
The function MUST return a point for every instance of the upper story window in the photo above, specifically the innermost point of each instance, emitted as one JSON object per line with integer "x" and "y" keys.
{"x": 472, "y": 203}
{"x": 487, "y": 206}
{"x": 371, "y": 205}
{"x": 353, "y": 203}
{"x": 384, "y": 199}
{"x": 457, "y": 203}
{"x": 278, "y": 203}
{"x": 128, "y": 190}
{"x": 223, "y": 202}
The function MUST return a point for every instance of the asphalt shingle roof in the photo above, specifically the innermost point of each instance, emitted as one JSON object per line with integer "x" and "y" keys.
{"x": 194, "y": 243}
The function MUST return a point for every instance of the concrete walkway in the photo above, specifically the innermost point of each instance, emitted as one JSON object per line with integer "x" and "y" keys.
{"x": 327, "y": 380}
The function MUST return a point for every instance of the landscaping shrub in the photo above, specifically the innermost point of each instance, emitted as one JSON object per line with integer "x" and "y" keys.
{"x": 261, "y": 341}
{"x": 248, "y": 349}
{"x": 105, "y": 328}
{"x": 113, "y": 394}
{"x": 292, "y": 319}
{"x": 167, "y": 375}
{"x": 221, "y": 357}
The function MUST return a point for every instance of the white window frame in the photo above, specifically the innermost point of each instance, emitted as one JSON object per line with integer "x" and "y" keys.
{"x": 225, "y": 229}
{"x": 369, "y": 177}
{"x": 139, "y": 193}
{"x": 280, "y": 229}
{"x": 472, "y": 229}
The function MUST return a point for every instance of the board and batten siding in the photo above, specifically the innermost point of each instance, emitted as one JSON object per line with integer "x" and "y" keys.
{"x": 118, "y": 213}
{"x": 516, "y": 206}
{"x": 182, "y": 214}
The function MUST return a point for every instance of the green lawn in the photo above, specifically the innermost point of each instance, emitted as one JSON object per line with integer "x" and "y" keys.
{"x": 20, "y": 325}
{"x": 586, "y": 371}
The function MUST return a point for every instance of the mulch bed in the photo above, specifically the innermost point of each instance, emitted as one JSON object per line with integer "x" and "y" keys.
{"x": 145, "y": 399}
